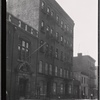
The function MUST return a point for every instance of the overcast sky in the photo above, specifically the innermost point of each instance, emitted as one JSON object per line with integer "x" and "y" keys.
{"x": 85, "y": 16}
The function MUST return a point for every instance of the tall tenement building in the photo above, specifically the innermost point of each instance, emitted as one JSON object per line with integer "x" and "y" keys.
{"x": 39, "y": 50}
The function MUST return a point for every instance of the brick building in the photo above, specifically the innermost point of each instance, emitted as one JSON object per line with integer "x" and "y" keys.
{"x": 52, "y": 68}
{"x": 86, "y": 65}
{"x": 21, "y": 40}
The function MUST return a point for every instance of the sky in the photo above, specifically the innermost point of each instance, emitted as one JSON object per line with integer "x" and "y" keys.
{"x": 84, "y": 13}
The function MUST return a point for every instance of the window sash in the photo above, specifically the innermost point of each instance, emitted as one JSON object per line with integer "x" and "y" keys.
{"x": 23, "y": 50}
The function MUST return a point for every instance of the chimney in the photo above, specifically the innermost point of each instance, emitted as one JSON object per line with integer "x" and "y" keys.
{"x": 79, "y": 54}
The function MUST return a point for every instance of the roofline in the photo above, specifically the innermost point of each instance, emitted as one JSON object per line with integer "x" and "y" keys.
{"x": 62, "y": 11}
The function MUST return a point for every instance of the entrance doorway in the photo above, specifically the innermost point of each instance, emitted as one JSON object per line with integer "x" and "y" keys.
{"x": 23, "y": 87}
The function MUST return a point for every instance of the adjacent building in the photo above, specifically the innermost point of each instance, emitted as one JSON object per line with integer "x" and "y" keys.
{"x": 41, "y": 31}
{"x": 85, "y": 65}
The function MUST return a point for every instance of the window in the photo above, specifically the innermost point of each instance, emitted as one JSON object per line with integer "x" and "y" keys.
{"x": 70, "y": 89}
{"x": 42, "y": 25}
{"x": 42, "y": 47}
{"x": 61, "y": 39}
{"x": 61, "y": 56}
{"x": 65, "y": 27}
{"x": 57, "y": 36}
{"x": 50, "y": 69}
{"x": 40, "y": 66}
{"x": 48, "y": 10}
{"x": 67, "y": 74}
{"x": 23, "y": 49}
{"x": 57, "y": 18}
{"x": 52, "y": 13}
{"x": 56, "y": 70}
{"x": 54, "y": 87}
{"x": 51, "y": 32}
{"x": 60, "y": 72}
{"x": 47, "y": 29}
{"x": 61, "y": 88}
{"x": 41, "y": 83}
{"x": 42, "y": 5}
{"x": 46, "y": 68}
{"x": 56, "y": 53}
{"x": 62, "y": 24}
